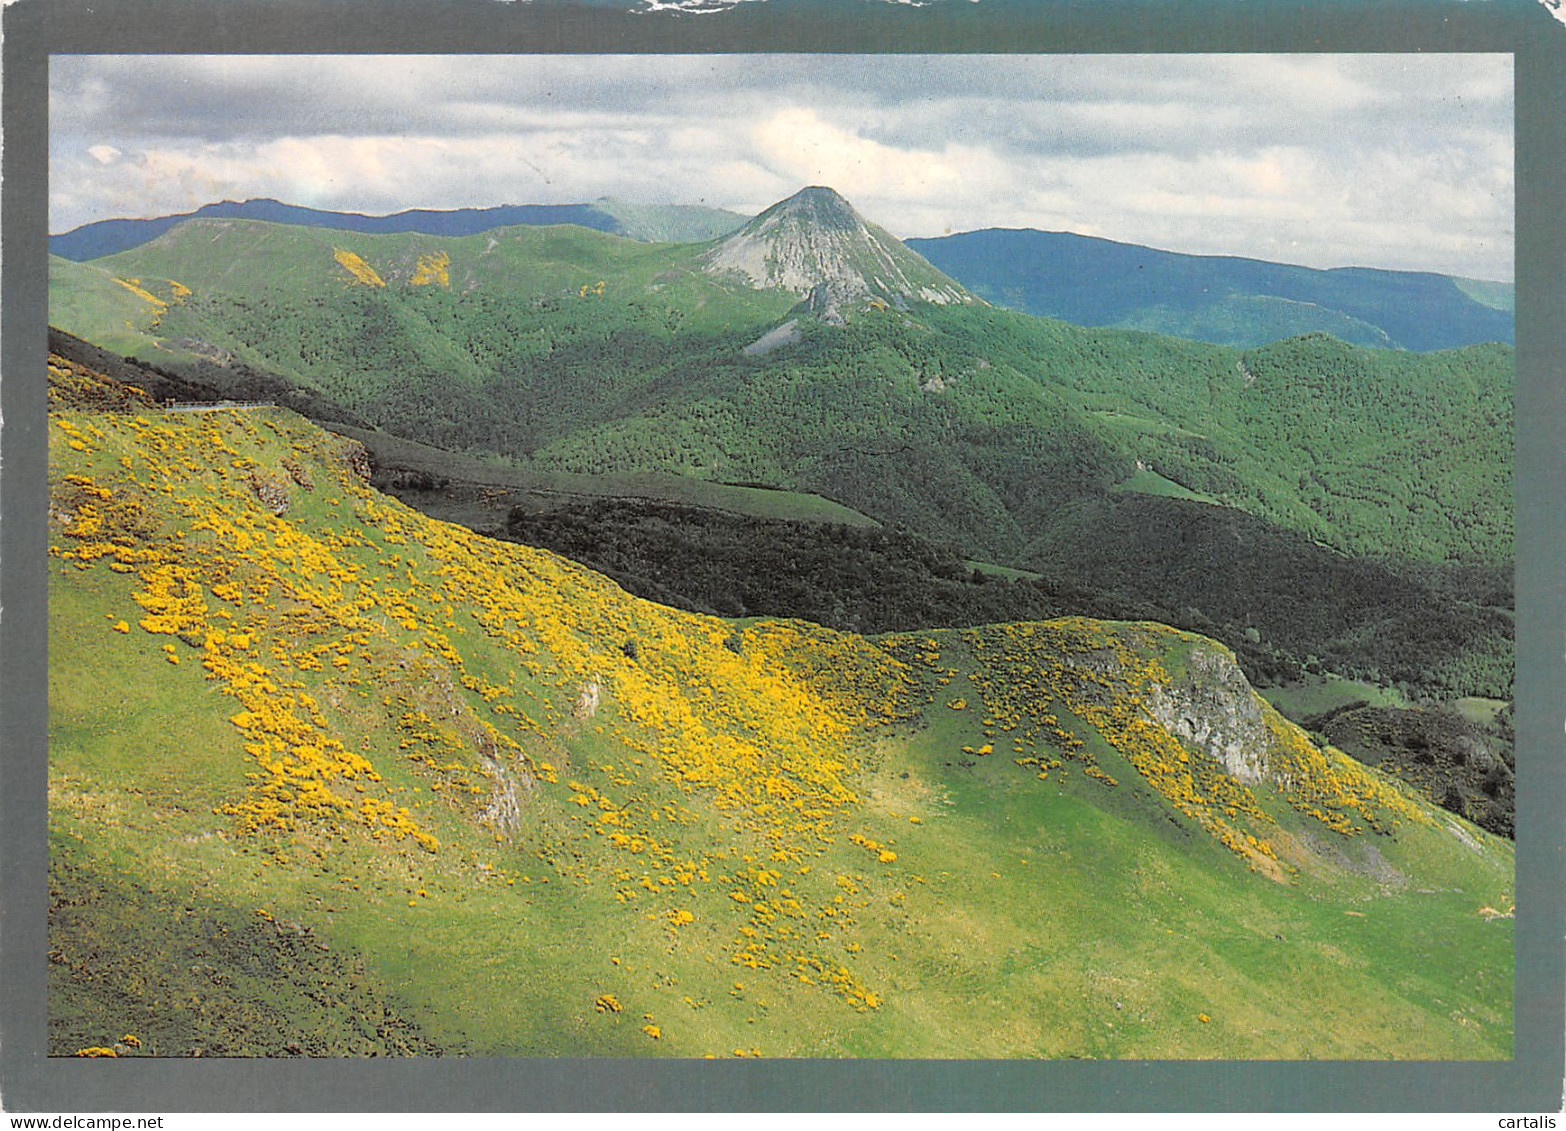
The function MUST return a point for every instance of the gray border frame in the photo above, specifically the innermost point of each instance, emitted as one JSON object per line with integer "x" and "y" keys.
{"x": 1532, "y": 1081}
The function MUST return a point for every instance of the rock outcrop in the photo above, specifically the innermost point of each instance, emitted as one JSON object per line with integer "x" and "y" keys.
{"x": 1211, "y": 706}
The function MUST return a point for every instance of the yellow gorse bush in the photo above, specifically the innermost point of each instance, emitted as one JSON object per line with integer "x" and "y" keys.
{"x": 434, "y": 267}
{"x": 361, "y": 271}
{"x": 159, "y": 306}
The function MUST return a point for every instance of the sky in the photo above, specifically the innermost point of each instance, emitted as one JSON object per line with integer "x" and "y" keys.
{"x": 1396, "y": 161}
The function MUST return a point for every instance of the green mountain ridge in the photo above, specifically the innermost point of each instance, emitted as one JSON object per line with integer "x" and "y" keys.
{"x": 650, "y": 222}
{"x": 479, "y": 795}
{"x": 1226, "y": 299}
{"x": 510, "y": 356}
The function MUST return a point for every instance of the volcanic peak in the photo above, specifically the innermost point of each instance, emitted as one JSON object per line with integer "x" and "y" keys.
{"x": 814, "y": 244}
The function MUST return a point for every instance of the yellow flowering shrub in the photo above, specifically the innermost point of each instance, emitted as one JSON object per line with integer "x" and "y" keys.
{"x": 134, "y": 287}
{"x": 158, "y": 305}
{"x": 361, "y": 271}
{"x": 434, "y": 267}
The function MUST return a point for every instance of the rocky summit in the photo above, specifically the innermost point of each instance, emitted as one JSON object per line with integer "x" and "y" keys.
{"x": 815, "y": 245}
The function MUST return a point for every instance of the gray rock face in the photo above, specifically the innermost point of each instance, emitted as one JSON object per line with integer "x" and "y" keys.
{"x": 1212, "y": 707}
{"x": 816, "y": 246}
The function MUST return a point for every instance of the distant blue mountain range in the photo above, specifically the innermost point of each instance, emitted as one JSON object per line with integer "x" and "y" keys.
{"x": 1225, "y": 299}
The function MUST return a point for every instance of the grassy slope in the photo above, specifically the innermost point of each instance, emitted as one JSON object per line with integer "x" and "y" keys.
{"x": 1319, "y": 697}
{"x": 506, "y": 485}
{"x": 766, "y": 838}
{"x": 992, "y": 570}
{"x": 86, "y": 299}
{"x": 1146, "y": 482}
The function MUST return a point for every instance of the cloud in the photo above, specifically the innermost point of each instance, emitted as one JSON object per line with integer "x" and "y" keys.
{"x": 1320, "y": 159}
{"x": 802, "y": 147}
